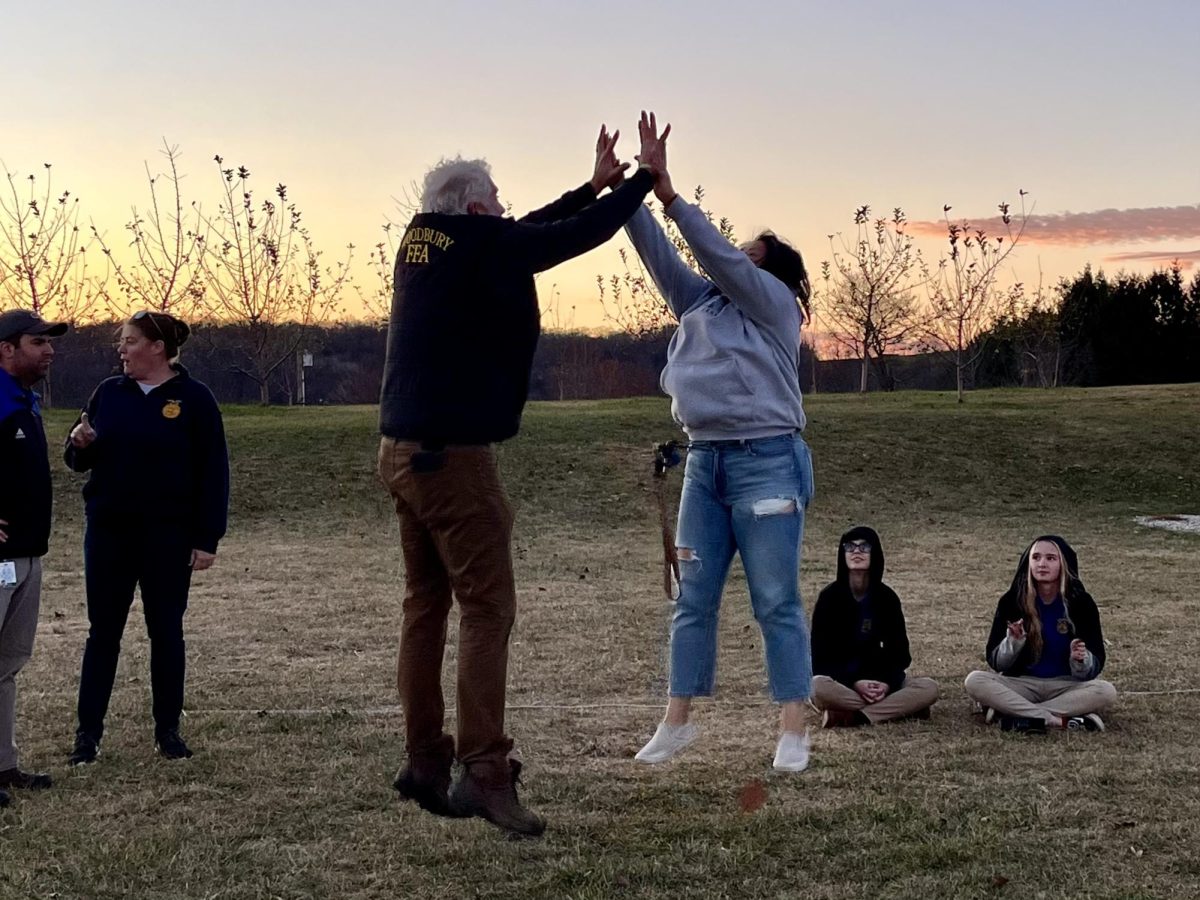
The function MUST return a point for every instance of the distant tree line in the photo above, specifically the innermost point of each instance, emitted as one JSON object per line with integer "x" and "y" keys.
{"x": 1130, "y": 329}
{"x": 243, "y": 267}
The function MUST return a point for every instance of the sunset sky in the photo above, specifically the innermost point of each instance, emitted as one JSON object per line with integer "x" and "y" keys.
{"x": 790, "y": 114}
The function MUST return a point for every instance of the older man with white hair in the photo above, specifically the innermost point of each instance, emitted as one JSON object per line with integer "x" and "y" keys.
{"x": 463, "y": 330}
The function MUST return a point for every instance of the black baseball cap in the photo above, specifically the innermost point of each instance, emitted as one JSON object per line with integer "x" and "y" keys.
{"x": 16, "y": 322}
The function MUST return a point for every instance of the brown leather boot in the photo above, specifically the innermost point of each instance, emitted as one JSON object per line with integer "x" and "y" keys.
{"x": 428, "y": 789}
{"x": 497, "y": 804}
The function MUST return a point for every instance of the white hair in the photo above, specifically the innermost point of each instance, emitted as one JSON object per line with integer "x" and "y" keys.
{"x": 454, "y": 183}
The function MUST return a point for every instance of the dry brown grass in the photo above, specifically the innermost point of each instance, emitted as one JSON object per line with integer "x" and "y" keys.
{"x": 291, "y": 703}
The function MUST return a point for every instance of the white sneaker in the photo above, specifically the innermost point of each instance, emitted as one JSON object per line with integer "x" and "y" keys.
{"x": 667, "y": 741}
{"x": 791, "y": 755}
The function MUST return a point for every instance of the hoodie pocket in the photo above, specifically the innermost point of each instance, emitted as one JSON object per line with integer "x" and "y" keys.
{"x": 709, "y": 392}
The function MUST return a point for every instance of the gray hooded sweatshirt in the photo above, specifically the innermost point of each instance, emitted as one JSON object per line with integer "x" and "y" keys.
{"x": 732, "y": 364}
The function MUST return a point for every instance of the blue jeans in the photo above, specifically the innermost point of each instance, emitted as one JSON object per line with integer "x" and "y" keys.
{"x": 749, "y": 497}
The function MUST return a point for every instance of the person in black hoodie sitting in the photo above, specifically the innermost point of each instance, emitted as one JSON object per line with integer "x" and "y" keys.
{"x": 1046, "y": 647}
{"x": 860, "y": 645}
{"x": 463, "y": 329}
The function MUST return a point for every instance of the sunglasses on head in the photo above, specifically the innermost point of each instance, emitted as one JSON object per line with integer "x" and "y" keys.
{"x": 146, "y": 314}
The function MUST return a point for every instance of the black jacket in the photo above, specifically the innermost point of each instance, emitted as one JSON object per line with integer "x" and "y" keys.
{"x": 159, "y": 460}
{"x": 25, "y": 491}
{"x": 1083, "y": 617}
{"x": 465, "y": 320}
{"x": 879, "y": 649}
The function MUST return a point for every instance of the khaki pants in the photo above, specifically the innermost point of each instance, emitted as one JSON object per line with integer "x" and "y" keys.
{"x": 18, "y": 626}
{"x": 455, "y": 532}
{"x": 1049, "y": 699}
{"x": 913, "y": 696}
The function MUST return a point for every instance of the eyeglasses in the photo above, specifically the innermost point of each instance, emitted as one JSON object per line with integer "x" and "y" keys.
{"x": 857, "y": 547}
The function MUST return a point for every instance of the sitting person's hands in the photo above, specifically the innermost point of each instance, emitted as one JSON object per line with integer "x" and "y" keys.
{"x": 870, "y": 690}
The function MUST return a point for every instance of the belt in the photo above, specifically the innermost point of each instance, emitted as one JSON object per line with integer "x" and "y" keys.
{"x": 741, "y": 442}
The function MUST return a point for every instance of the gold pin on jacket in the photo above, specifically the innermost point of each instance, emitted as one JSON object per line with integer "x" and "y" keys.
{"x": 171, "y": 409}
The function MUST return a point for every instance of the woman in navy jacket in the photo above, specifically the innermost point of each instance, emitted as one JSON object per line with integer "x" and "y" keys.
{"x": 156, "y": 500}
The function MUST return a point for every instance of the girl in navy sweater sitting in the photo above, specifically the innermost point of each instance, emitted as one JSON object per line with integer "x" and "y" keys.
{"x": 1046, "y": 648}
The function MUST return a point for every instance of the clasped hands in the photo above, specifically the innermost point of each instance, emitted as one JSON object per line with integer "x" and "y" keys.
{"x": 870, "y": 690}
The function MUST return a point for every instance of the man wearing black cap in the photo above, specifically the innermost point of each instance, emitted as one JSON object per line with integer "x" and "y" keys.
{"x": 25, "y": 357}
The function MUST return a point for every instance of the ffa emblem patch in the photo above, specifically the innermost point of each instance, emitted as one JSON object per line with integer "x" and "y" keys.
{"x": 866, "y": 626}
{"x": 1064, "y": 626}
{"x": 171, "y": 410}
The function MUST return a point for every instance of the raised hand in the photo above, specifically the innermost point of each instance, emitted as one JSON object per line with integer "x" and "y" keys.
{"x": 82, "y": 434}
{"x": 1079, "y": 650}
{"x": 608, "y": 170}
{"x": 653, "y": 156}
{"x": 1016, "y": 630}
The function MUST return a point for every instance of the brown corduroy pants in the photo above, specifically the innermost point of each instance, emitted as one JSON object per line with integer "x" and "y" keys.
{"x": 455, "y": 533}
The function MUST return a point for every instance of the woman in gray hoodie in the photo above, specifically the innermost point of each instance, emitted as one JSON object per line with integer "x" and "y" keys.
{"x": 733, "y": 380}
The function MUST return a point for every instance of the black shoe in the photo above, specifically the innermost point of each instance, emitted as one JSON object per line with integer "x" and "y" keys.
{"x": 497, "y": 804}
{"x": 1022, "y": 724}
{"x": 1090, "y": 722}
{"x": 429, "y": 790}
{"x": 4, "y": 799}
{"x": 26, "y": 781}
{"x": 171, "y": 746}
{"x": 87, "y": 749}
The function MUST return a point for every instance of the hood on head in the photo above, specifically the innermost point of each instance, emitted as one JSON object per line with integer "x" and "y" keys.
{"x": 1069, "y": 557}
{"x": 861, "y": 533}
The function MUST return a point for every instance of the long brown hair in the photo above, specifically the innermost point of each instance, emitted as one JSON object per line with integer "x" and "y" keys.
{"x": 1028, "y": 597}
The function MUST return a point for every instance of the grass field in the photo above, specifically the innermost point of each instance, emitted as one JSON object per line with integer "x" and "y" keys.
{"x": 292, "y": 639}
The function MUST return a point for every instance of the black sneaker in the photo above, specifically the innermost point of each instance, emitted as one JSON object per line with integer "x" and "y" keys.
{"x": 87, "y": 749}
{"x": 171, "y": 746}
{"x": 1022, "y": 725}
{"x": 497, "y": 804}
{"x": 429, "y": 790}
{"x": 1090, "y": 722}
{"x": 26, "y": 781}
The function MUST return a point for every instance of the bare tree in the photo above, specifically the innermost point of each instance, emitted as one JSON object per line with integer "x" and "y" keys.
{"x": 160, "y": 268}
{"x": 376, "y": 296}
{"x": 867, "y": 300}
{"x": 1033, "y": 323}
{"x": 43, "y": 266}
{"x": 963, "y": 296}
{"x": 264, "y": 276}
{"x": 43, "y": 261}
{"x": 630, "y": 300}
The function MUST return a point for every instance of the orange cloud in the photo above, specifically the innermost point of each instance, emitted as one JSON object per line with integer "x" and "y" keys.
{"x": 1186, "y": 259}
{"x": 1104, "y": 226}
